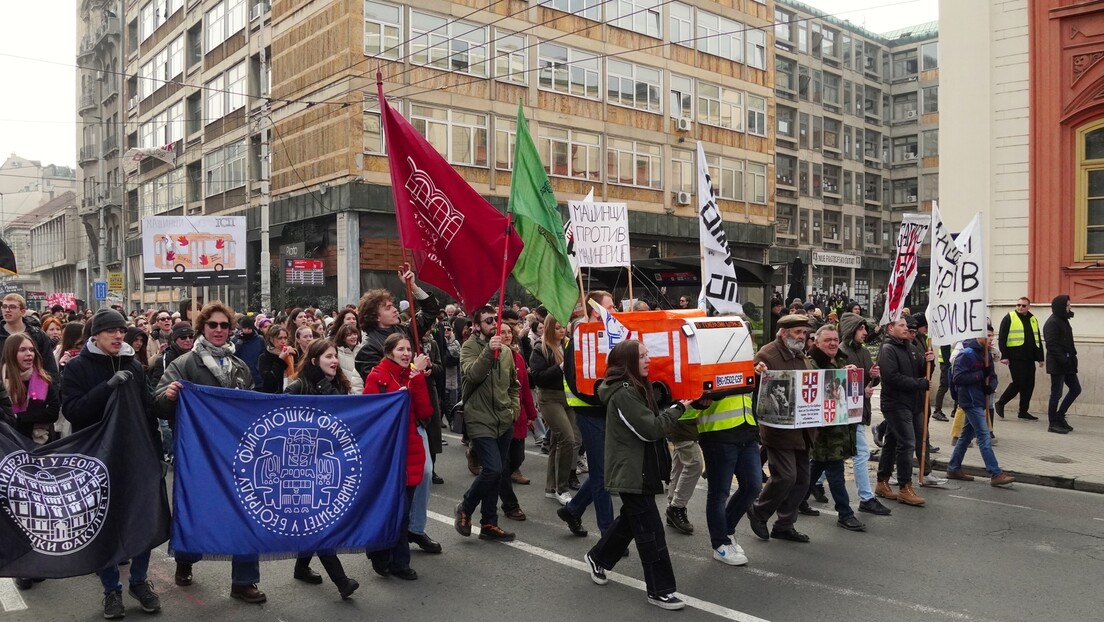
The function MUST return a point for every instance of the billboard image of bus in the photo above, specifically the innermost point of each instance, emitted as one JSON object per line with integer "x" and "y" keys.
{"x": 198, "y": 250}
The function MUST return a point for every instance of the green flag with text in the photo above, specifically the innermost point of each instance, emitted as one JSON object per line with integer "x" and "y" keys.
{"x": 543, "y": 267}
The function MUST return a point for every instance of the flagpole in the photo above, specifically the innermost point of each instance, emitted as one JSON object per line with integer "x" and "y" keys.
{"x": 502, "y": 282}
{"x": 631, "y": 301}
{"x": 928, "y": 367}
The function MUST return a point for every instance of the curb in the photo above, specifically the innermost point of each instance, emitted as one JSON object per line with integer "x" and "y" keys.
{"x": 1051, "y": 481}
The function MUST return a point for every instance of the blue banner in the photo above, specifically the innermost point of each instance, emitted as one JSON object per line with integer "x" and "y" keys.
{"x": 276, "y": 475}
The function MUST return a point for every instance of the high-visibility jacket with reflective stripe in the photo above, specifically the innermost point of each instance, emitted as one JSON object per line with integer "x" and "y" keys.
{"x": 1016, "y": 331}
{"x": 572, "y": 400}
{"x": 723, "y": 414}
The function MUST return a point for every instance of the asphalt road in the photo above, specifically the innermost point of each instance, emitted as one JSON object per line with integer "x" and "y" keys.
{"x": 974, "y": 553}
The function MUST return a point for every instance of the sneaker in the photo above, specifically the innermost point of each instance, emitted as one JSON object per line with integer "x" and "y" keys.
{"x": 462, "y": 521}
{"x": 932, "y": 480}
{"x": 562, "y": 498}
{"x": 146, "y": 597}
{"x": 818, "y": 493}
{"x": 1057, "y": 429}
{"x": 669, "y": 602}
{"x": 1003, "y": 479}
{"x": 875, "y": 507}
{"x": 495, "y": 533}
{"x": 597, "y": 573}
{"x": 939, "y": 416}
{"x": 573, "y": 523}
{"x": 113, "y": 606}
{"x": 582, "y": 466}
{"x": 892, "y": 481}
{"x": 676, "y": 517}
{"x": 851, "y": 524}
{"x": 728, "y": 554}
{"x": 1027, "y": 417}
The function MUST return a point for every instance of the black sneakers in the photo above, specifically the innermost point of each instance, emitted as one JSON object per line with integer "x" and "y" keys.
{"x": 574, "y": 524}
{"x": 146, "y": 597}
{"x": 597, "y": 573}
{"x": 495, "y": 533}
{"x": 113, "y": 606}
{"x": 669, "y": 602}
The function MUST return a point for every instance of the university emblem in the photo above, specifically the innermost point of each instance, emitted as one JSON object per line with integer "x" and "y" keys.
{"x": 297, "y": 470}
{"x": 810, "y": 386}
{"x": 59, "y": 501}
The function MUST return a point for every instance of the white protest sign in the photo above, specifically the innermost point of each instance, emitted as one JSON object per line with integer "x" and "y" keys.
{"x": 600, "y": 233}
{"x": 956, "y": 307}
{"x": 718, "y": 273}
{"x": 569, "y": 236}
{"x": 914, "y": 228}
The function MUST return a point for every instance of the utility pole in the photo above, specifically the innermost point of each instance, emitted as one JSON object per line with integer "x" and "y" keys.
{"x": 266, "y": 250}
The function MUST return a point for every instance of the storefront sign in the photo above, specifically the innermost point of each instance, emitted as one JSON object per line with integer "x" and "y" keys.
{"x": 840, "y": 260}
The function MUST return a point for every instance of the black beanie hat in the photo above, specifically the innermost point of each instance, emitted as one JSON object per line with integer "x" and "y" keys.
{"x": 246, "y": 321}
{"x": 180, "y": 330}
{"x": 107, "y": 319}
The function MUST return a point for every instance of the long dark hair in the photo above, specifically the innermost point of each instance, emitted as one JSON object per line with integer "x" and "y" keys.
{"x": 140, "y": 354}
{"x": 314, "y": 352}
{"x": 71, "y": 336}
{"x": 623, "y": 365}
{"x": 17, "y": 391}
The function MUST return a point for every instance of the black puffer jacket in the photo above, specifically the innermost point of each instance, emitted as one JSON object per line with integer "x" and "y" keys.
{"x": 313, "y": 382}
{"x": 1061, "y": 352}
{"x": 902, "y": 371}
{"x": 544, "y": 373}
{"x": 84, "y": 390}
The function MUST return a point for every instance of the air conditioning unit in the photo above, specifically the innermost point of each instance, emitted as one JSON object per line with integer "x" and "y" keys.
{"x": 258, "y": 10}
{"x": 910, "y": 114}
{"x": 910, "y": 155}
{"x": 683, "y": 124}
{"x": 910, "y": 198}
{"x": 682, "y": 198}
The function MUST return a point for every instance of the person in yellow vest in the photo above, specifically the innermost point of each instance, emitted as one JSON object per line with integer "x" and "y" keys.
{"x": 1021, "y": 343}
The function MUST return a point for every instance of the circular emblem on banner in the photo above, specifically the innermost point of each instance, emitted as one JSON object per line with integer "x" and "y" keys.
{"x": 59, "y": 501}
{"x": 297, "y": 470}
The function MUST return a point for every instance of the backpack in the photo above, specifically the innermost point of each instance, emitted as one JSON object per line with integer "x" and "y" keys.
{"x": 951, "y": 386}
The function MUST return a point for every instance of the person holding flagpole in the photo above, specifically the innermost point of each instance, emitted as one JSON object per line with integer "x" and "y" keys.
{"x": 379, "y": 319}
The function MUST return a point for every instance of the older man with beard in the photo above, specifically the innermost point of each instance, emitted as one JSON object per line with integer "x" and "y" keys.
{"x": 787, "y": 450}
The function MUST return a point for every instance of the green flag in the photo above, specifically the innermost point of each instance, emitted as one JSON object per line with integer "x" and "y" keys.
{"x": 543, "y": 267}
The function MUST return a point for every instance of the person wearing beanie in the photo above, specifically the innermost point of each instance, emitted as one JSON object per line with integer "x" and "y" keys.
{"x": 248, "y": 346}
{"x": 180, "y": 339}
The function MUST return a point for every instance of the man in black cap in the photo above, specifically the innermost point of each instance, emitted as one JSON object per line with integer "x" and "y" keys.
{"x": 106, "y": 363}
{"x": 903, "y": 386}
{"x": 248, "y": 346}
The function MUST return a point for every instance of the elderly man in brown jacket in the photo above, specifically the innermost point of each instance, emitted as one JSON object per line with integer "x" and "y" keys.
{"x": 787, "y": 450}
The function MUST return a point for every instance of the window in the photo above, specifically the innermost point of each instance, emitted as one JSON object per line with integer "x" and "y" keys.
{"x": 505, "y": 139}
{"x": 803, "y": 81}
{"x": 831, "y": 179}
{"x": 804, "y": 230}
{"x": 803, "y": 178}
{"x": 785, "y": 168}
{"x": 904, "y": 65}
{"x": 905, "y": 148}
{"x": 831, "y": 227}
{"x": 225, "y": 169}
{"x": 756, "y": 182}
{"x": 831, "y": 134}
{"x": 448, "y": 44}
{"x": 818, "y": 179}
{"x": 682, "y": 97}
{"x": 783, "y": 31}
{"x": 872, "y": 189}
{"x": 930, "y": 96}
{"x": 872, "y": 145}
{"x": 905, "y": 191}
{"x": 785, "y": 71}
{"x": 803, "y": 131}
{"x": 590, "y": 9}
{"x": 683, "y": 173}
{"x": 641, "y": 16}
{"x": 904, "y": 107}
{"x": 174, "y": 122}
{"x": 756, "y": 115}
{"x": 635, "y": 86}
{"x": 373, "y": 124}
{"x": 216, "y": 98}
{"x": 682, "y": 24}
{"x": 828, "y": 44}
{"x": 818, "y": 81}
{"x": 818, "y": 132}
{"x": 461, "y": 137}
{"x": 756, "y": 48}
{"x": 847, "y": 142}
{"x": 224, "y": 20}
{"x": 1090, "y": 193}
{"x": 814, "y": 39}
{"x": 787, "y": 122}
{"x": 720, "y": 36}
{"x": 727, "y": 175}
{"x": 382, "y": 27}
{"x": 930, "y": 187}
{"x": 633, "y": 163}
{"x": 870, "y": 59}
{"x": 146, "y": 84}
{"x": 848, "y": 188}
{"x": 845, "y": 49}
{"x": 872, "y": 102}
{"x": 511, "y": 58}
{"x": 175, "y": 65}
{"x": 146, "y": 21}
{"x": 568, "y": 70}
{"x": 930, "y": 52}
{"x": 720, "y": 106}
{"x": 817, "y": 218}
{"x": 831, "y": 89}
{"x": 571, "y": 153}
{"x": 931, "y": 143}
{"x": 784, "y": 217}
{"x": 226, "y": 93}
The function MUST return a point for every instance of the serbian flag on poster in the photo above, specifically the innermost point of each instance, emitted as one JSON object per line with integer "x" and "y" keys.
{"x": 457, "y": 237}
{"x": 914, "y": 228}
{"x": 279, "y": 475}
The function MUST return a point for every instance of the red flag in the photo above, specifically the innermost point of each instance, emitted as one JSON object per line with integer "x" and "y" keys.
{"x": 456, "y": 236}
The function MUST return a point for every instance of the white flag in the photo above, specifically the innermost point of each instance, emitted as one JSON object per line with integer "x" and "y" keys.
{"x": 914, "y": 228}
{"x": 133, "y": 157}
{"x": 616, "y": 332}
{"x": 957, "y": 294}
{"x": 569, "y": 233}
{"x": 718, "y": 274}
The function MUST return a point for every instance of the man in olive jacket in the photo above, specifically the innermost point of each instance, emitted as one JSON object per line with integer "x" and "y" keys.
{"x": 491, "y": 403}
{"x": 787, "y": 450}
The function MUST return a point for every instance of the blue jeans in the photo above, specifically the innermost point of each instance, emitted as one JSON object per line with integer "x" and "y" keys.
{"x": 722, "y": 460}
{"x": 833, "y": 471}
{"x": 860, "y": 462}
{"x": 494, "y": 456}
{"x": 593, "y": 490}
{"x": 1057, "y": 413}
{"x": 976, "y": 425}
{"x": 419, "y": 507}
{"x": 244, "y": 569}
{"x": 139, "y": 568}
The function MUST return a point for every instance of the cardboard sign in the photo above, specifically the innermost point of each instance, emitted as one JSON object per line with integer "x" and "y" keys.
{"x": 810, "y": 399}
{"x": 600, "y": 234}
{"x": 956, "y": 309}
{"x": 204, "y": 250}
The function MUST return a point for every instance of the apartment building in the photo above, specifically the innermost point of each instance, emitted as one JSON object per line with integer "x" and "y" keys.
{"x": 857, "y": 146}
{"x": 57, "y": 245}
{"x": 25, "y": 185}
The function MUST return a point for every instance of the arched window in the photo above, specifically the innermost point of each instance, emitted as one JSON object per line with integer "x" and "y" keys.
{"x": 1090, "y": 192}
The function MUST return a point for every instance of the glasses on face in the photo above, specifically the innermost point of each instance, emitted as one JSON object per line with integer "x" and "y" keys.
{"x": 1022, "y": 306}
{"x": 115, "y": 331}
{"x": 10, "y": 307}
{"x": 489, "y": 321}
{"x": 218, "y": 325}
{"x": 165, "y": 318}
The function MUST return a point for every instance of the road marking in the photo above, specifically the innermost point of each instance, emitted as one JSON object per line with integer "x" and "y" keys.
{"x": 1094, "y": 518}
{"x": 9, "y": 596}
{"x": 696, "y": 603}
{"x": 1007, "y": 505}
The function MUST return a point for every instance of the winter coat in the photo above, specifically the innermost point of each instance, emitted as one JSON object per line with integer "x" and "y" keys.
{"x": 902, "y": 371}
{"x": 1061, "y": 352}
{"x": 544, "y": 373}
{"x": 387, "y": 377}
{"x": 313, "y": 382}
{"x": 834, "y": 442}
{"x": 637, "y": 461}
{"x": 84, "y": 390}
{"x": 528, "y": 412}
{"x": 973, "y": 379}
{"x": 491, "y": 390}
{"x": 435, "y": 370}
{"x": 189, "y": 367}
{"x": 273, "y": 371}
{"x": 42, "y": 344}
{"x": 778, "y": 357}
{"x": 371, "y": 353}
{"x": 157, "y": 366}
{"x": 249, "y": 350}
{"x": 39, "y": 411}
{"x": 347, "y": 358}
{"x": 857, "y": 355}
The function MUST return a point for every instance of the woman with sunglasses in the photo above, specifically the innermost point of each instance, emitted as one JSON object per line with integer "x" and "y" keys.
{"x": 162, "y": 327}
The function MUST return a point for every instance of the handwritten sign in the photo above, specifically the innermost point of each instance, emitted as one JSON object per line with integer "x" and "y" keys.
{"x": 956, "y": 308}
{"x": 914, "y": 228}
{"x": 600, "y": 234}
{"x": 66, "y": 299}
{"x": 810, "y": 399}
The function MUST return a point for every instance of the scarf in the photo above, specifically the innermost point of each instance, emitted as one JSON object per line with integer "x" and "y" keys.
{"x": 37, "y": 389}
{"x": 222, "y": 367}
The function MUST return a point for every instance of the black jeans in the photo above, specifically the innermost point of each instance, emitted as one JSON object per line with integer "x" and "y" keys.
{"x": 398, "y": 556}
{"x": 944, "y": 386}
{"x": 900, "y": 442}
{"x": 1023, "y": 383}
{"x": 1056, "y": 413}
{"x": 513, "y": 463}
{"x": 639, "y": 520}
{"x": 494, "y": 455}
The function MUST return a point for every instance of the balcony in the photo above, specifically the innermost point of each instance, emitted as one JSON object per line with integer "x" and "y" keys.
{"x": 113, "y": 197}
{"x": 87, "y": 154}
{"x": 110, "y": 145}
{"x": 109, "y": 27}
{"x": 110, "y": 90}
{"x": 86, "y": 101}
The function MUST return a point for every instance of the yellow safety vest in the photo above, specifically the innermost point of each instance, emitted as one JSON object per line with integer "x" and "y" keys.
{"x": 572, "y": 400}
{"x": 1016, "y": 331}
{"x": 723, "y": 414}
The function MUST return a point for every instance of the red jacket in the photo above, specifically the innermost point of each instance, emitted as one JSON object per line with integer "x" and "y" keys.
{"x": 388, "y": 377}
{"x": 528, "y": 412}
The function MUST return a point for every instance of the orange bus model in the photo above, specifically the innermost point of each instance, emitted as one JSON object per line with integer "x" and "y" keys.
{"x": 206, "y": 252}
{"x": 692, "y": 355}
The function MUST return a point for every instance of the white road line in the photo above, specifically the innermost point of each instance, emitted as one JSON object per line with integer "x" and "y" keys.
{"x": 1094, "y": 518}
{"x": 9, "y": 596}
{"x": 1007, "y": 505}
{"x": 577, "y": 564}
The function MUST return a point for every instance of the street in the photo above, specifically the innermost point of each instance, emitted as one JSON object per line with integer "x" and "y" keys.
{"x": 974, "y": 553}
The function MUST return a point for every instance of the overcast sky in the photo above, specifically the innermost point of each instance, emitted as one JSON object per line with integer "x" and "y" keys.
{"x": 38, "y": 108}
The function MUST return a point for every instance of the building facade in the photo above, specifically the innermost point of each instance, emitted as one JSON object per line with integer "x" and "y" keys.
{"x": 26, "y": 185}
{"x": 857, "y": 145}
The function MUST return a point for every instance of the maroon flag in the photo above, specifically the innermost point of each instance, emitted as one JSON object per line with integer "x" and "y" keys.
{"x": 456, "y": 236}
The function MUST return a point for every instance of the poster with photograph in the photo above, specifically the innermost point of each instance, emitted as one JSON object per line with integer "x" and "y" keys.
{"x": 810, "y": 399}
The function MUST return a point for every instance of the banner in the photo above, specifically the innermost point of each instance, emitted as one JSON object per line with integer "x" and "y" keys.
{"x": 615, "y": 332}
{"x": 279, "y": 475}
{"x": 810, "y": 399}
{"x": 133, "y": 157}
{"x": 84, "y": 502}
{"x": 957, "y": 295}
{"x": 456, "y": 237}
{"x": 66, "y": 299}
{"x": 7, "y": 259}
{"x": 718, "y": 273}
{"x": 914, "y": 228}
{"x": 600, "y": 232}
{"x": 193, "y": 250}
{"x": 570, "y": 237}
